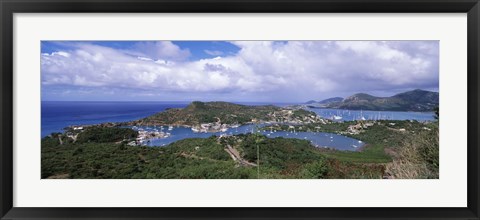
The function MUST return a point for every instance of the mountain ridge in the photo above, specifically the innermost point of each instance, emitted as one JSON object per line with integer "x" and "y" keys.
{"x": 414, "y": 100}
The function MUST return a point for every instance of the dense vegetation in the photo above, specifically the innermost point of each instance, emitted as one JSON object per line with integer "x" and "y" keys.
{"x": 408, "y": 149}
{"x": 418, "y": 158}
{"x": 197, "y": 158}
{"x": 390, "y": 153}
{"x": 107, "y": 134}
{"x": 208, "y": 112}
{"x": 223, "y": 113}
{"x": 394, "y": 149}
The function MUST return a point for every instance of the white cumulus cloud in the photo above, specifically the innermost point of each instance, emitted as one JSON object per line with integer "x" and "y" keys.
{"x": 278, "y": 70}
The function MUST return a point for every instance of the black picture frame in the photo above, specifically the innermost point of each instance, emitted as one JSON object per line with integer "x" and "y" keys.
{"x": 9, "y": 7}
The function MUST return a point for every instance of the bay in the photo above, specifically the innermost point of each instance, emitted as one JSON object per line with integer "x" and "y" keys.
{"x": 57, "y": 115}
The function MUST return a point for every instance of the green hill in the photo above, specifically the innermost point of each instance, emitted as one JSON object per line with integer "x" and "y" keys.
{"x": 221, "y": 112}
{"x": 331, "y": 100}
{"x": 415, "y": 100}
{"x": 197, "y": 158}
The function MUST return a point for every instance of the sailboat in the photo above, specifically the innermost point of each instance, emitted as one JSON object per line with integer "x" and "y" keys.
{"x": 353, "y": 145}
{"x": 335, "y": 117}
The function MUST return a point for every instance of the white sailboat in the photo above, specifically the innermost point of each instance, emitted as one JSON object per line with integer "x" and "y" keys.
{"x": 353, "y": 145}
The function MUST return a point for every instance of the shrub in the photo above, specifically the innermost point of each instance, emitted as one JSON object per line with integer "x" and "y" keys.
{"x": 104, "y": 135}
{"x": 315, "y": 170}
{"x": 418, "y": 158}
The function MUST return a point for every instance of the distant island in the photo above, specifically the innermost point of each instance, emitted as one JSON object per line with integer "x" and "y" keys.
{"x": 415, "y": 100}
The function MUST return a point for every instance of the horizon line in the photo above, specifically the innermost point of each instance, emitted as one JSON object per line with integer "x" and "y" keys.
{"x": 164, "y": 101}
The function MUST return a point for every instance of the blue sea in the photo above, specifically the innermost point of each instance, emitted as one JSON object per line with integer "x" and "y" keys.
{"x": 57, "y": 115}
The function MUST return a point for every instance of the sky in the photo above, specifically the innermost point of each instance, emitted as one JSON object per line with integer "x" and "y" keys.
{"x": 237, "y": 71}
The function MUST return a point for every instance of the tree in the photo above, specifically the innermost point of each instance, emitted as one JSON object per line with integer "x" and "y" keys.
{"x": 437, "y": 113}
{"x": 258, "y": 139}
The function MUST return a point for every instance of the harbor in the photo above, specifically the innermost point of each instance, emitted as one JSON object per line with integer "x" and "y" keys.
{"x": 318, "y": 139}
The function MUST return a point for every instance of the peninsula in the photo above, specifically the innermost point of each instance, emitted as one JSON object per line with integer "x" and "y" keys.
{"x": 219, "y": 116}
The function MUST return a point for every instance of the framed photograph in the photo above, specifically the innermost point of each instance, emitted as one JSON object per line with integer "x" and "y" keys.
{"x": 230, "y": 109}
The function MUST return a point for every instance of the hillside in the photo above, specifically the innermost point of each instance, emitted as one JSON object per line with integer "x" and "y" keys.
{"x": 324, "y": 102}
{"x": 223, "y": 113}
{"x": 103, "y": 153}
{"x": 197, "y": 158}
{"x": 415, "y": 100}
{"x": 331, "y": 100}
